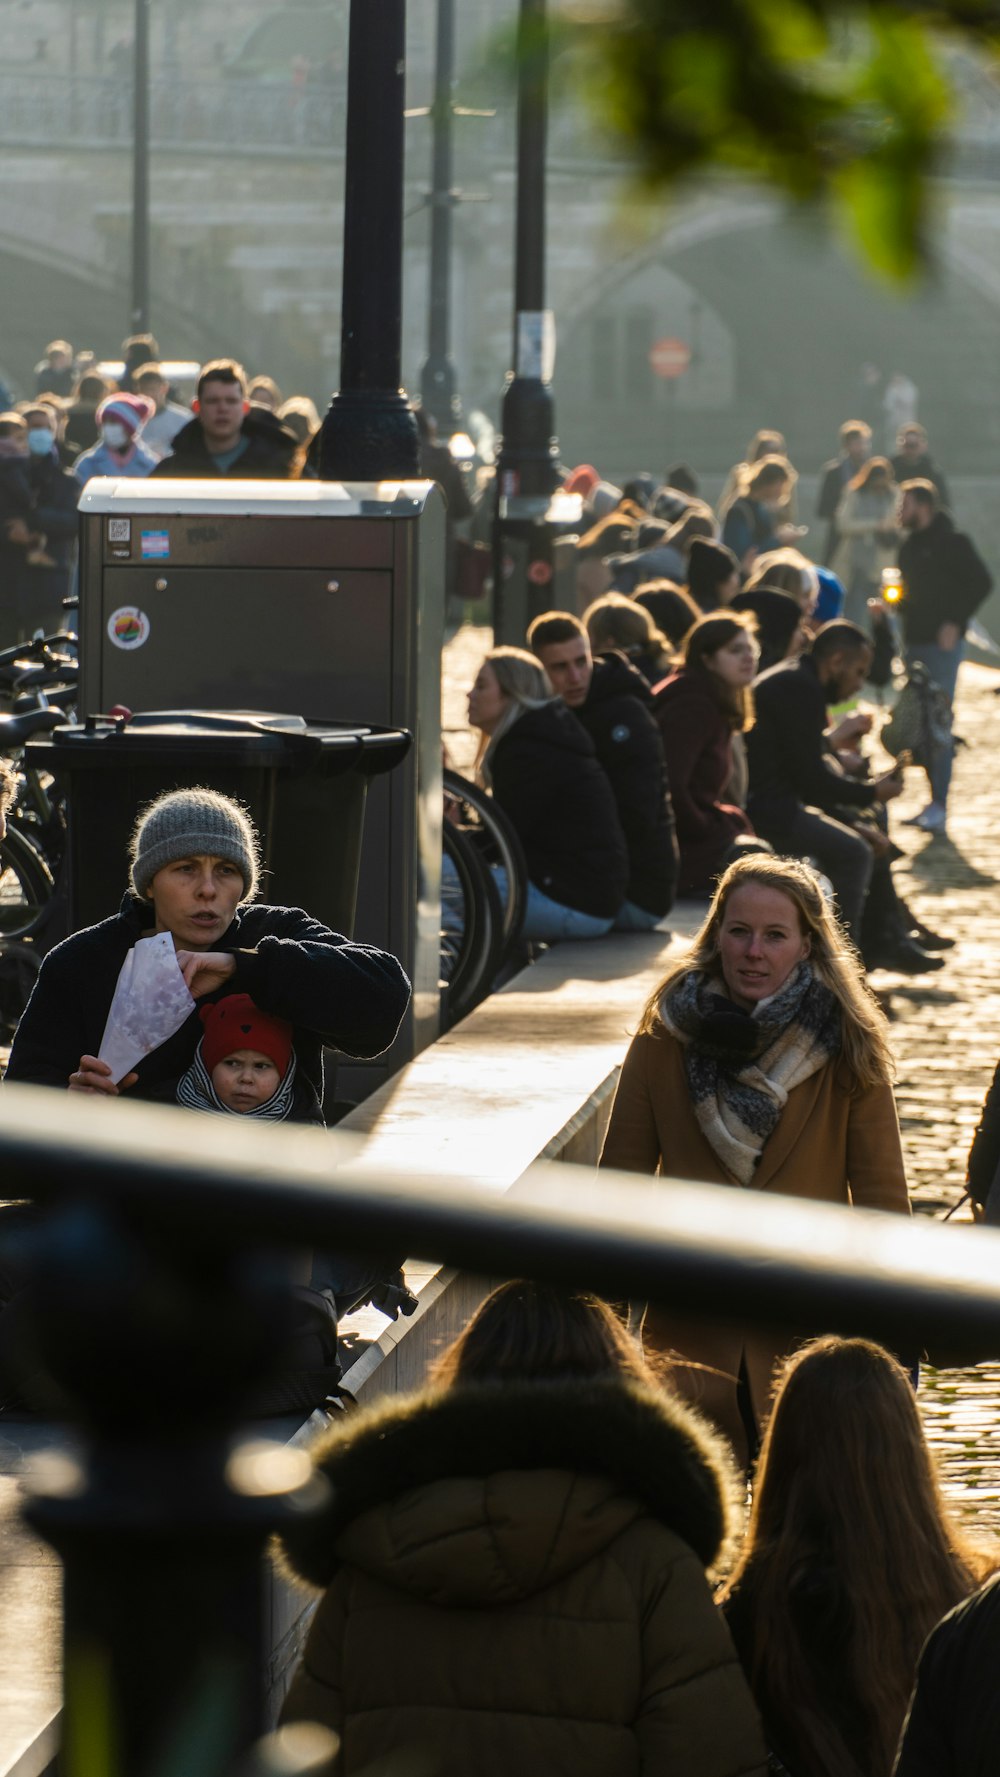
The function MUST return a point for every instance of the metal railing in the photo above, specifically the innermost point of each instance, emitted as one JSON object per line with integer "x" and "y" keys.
{"x": 253, "y": 116}
{"x": 153, "y": 1306}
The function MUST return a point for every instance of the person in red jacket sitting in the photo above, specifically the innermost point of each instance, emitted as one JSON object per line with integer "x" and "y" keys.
{"x": 699, "y": 709}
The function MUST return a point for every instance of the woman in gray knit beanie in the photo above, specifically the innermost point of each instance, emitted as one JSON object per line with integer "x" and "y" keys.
{"x": 190, "y": 824}
{"x": 195, "y": 866}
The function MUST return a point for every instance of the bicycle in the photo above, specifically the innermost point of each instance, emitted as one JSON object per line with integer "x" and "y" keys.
{"x": 482, "y": 906}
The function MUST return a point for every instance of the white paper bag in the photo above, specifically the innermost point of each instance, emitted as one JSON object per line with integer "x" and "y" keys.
{"x": 151, "y": 1002}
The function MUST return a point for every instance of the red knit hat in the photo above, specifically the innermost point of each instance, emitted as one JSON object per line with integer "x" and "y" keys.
{"x": 236, "y": 1023}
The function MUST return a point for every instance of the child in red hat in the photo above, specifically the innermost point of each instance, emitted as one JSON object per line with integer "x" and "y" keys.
{"x": 244, "y": 1064}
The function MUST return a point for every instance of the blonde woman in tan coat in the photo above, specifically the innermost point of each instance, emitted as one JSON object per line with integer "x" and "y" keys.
{"x": 514, "y": 1565}
{"x": 762, "y": 1062}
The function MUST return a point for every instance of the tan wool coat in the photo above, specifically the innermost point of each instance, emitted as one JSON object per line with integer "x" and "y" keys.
{"x": 835, "y": 1142}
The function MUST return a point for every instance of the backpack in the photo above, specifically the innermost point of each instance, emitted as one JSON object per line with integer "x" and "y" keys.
{"x": 920, "y": 724}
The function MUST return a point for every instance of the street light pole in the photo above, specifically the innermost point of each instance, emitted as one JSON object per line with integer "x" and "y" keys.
{"x": 369, "y": 431}
{"x": 529, "y": 448}
{"x": 527, "y": 463}
{"x": 139, "y": 318}
{"x": 438, "y": 383}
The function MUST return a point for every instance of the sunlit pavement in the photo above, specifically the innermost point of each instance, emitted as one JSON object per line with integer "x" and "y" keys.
{"x": 946, "y": 1037}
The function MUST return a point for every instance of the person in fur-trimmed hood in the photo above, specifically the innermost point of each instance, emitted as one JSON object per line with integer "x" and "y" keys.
{"x": 514, "y": 1566}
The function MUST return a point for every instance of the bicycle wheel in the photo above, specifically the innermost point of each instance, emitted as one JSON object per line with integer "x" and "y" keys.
{"x": 25, "y": 885}
{"x": 471, "y": 928}
{"x": 497, "y": 842}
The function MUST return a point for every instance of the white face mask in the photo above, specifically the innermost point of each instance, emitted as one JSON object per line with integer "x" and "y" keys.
{"x": 115, "y": 434}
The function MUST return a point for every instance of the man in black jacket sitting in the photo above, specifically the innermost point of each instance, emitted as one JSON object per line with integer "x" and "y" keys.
{"x": 613, "y": 702}
{"x": 798, "y": 789}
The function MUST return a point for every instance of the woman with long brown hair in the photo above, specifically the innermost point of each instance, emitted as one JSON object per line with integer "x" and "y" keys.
{"x": 850, "y": 1559}
{"x": 514, "y": 1565}
{"x": 699, "y": 710}
{"x": 761, "y": 1061}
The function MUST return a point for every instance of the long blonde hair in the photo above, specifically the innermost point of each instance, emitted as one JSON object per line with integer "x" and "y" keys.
{"x": 864, "y": 1030}
{"x": 526, "y": 686}
{"x": 788, "y": 570}
{"x": 845, "y": 1492}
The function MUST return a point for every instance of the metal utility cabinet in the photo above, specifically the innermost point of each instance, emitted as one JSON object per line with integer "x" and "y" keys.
{"x": 322, "y": 599}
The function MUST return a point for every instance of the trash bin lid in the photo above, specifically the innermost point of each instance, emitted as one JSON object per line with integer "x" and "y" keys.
{"x": 224, "y": 737}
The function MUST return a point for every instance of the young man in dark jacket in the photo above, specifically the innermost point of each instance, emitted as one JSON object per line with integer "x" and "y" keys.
{"x": 945, "y": 580}
{"x": 225, "y": 437}
{"x": 798, "y": 790}
{"x": 913, "y": 461}
{"x": 612, "y": 701}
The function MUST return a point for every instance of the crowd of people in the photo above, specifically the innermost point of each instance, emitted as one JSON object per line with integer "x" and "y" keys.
{"x": 713, "y": 678}
{"x": 79, "y": 423}
{"x": 544, "y": 1558}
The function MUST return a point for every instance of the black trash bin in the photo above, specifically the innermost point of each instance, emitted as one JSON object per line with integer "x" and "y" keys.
{"x": 303, "y": 783}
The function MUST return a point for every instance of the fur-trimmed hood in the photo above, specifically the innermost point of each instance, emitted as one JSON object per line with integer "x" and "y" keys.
{"x": 484, "y": 1494}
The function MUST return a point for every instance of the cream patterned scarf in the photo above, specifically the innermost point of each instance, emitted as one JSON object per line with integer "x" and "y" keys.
{"x": 741, "y": 1066}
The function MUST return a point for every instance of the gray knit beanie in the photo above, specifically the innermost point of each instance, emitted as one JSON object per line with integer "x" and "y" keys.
{"x": 193, "y": 823}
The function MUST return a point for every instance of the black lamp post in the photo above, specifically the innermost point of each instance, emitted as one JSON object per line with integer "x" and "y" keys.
{"x": 139, "y": 318}
{"x": 438, "y": 383}
{"x": 527, "y": 462}
{"x": 369, "y": 432}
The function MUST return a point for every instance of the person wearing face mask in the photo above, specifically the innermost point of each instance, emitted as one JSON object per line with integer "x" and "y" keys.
{"x": 38, "y": 525}
{"x": 119, "y": 450}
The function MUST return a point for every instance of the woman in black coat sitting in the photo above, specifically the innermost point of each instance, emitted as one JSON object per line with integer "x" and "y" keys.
{"x": 541, "y": 766}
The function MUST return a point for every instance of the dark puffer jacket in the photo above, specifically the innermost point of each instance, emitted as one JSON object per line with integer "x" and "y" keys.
{"x": 270, "y": 450}
{"x": 515, "y": 1583}
{"x": 618, "y": 717}
{"x": 953, "y": 1728}
{"x": 945, "y": 579}
{"x": 547, "y": 779}
{"x": 349, "y": 996}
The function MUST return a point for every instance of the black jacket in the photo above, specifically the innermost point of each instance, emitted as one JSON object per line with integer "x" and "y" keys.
{"x": 790, "y": 767}
{"x": 834, "y": 477}
{"x": 348, "y": 996}
{"x": 984, "y": 1155}
{"x": 945, "y": 579}
{"x": 269, "y": 455}
{"x": 618, "y": 717}
{"x": 546, "y": 778}
{"x": 38, "y": 490}
{"x": 953, "y": 1728}
{"x": 923, "y": 469}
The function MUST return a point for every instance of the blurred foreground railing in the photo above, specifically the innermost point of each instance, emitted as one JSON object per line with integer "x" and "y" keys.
{"x": 156, "y": 1305}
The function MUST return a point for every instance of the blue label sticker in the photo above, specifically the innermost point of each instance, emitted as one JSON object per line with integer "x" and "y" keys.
{"x": 154, "y": 545}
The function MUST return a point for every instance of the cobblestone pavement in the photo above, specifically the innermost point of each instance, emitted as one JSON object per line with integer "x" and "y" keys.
{"x": 946, "y": 1036}
{"x": 945, "y": 1026}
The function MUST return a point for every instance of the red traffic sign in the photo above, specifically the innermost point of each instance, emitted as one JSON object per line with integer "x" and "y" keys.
{"x": 670, "y": 357}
